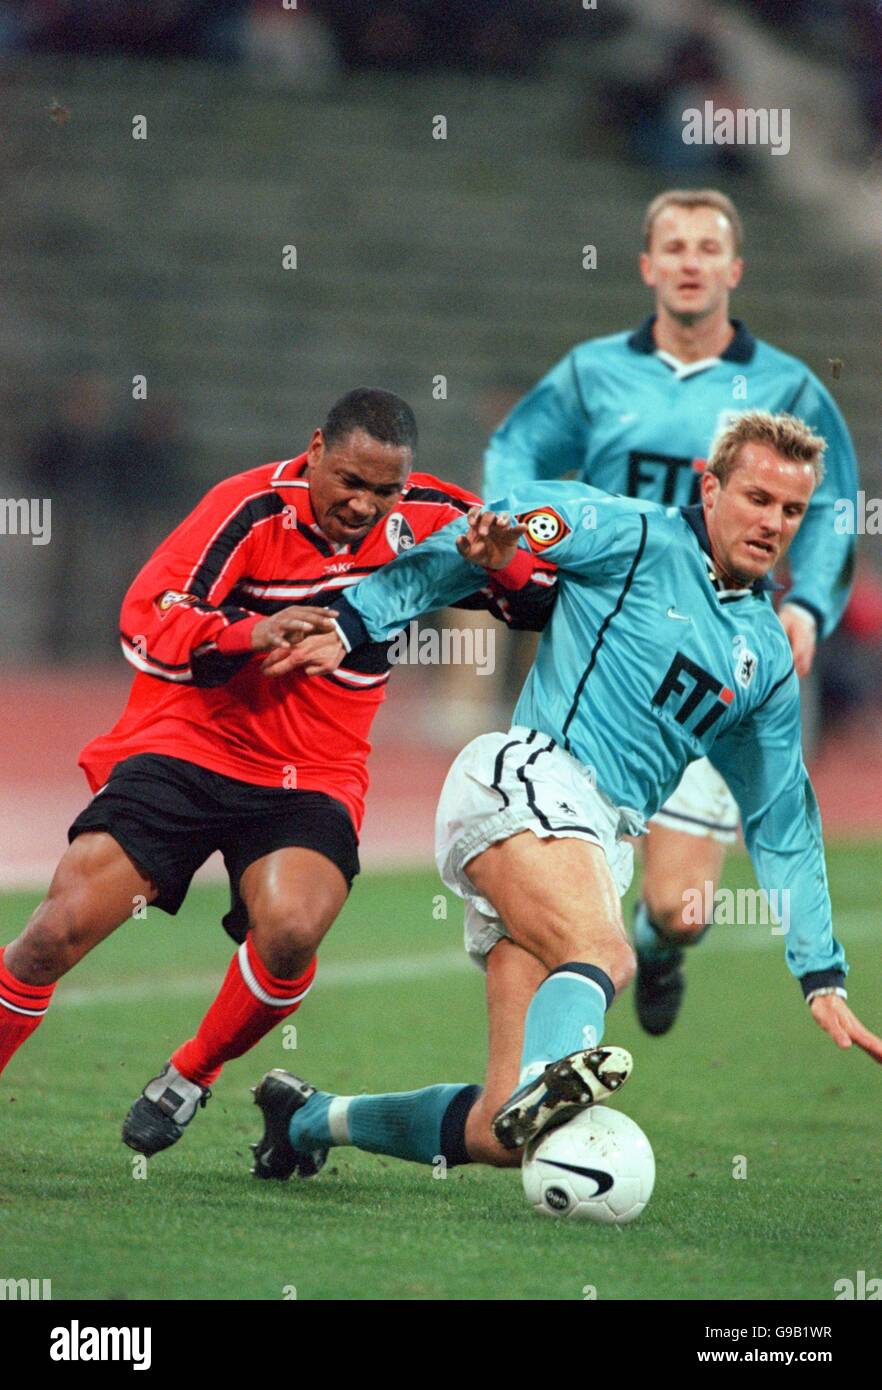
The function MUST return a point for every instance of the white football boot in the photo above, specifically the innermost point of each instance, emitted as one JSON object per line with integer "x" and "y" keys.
{"x": 561, "y": 1089}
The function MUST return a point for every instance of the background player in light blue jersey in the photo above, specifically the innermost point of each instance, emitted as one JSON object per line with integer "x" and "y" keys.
{"x": 634, "y": 414}
{"x": 662, "y": 648}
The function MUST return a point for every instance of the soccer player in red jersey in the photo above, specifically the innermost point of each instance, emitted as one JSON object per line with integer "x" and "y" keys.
{"x": 222, "y": 748}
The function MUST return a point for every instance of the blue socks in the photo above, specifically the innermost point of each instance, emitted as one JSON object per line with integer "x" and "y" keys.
{"x": 566, "y": 1014}
{"x": 418, "y": 1125}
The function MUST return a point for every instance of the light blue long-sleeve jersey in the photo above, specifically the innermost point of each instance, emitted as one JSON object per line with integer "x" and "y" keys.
{"x": 635, "y": 421}
{"x": 646, "y": 664}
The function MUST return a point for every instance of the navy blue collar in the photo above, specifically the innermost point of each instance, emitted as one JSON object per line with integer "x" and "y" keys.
{"x": 694, "y": 516}
{"x": 741, "y": 348}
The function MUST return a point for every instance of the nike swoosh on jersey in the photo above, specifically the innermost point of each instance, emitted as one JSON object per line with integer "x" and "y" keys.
{"x": 679, "y": 617}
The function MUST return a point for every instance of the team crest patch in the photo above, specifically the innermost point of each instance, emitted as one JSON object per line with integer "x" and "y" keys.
{"x": 745, "y": 662}
{"x": 399, "y": 535}
{"x": 545, "y": 527}
{"x": 170, "y": 598}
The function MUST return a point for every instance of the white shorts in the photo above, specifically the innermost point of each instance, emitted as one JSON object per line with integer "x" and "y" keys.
{"x": 701, "y": 805}
{"x": 504, "y": 783}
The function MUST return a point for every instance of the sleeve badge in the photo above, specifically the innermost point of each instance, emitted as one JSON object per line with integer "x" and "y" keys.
{"x": 171, "y": 597}
{"x": 545, "y": 527}
{"x": 399, "y": 533}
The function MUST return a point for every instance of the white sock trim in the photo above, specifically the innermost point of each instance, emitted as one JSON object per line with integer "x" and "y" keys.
{"x": 29, "y": 1013}
{"x": 259, "y": 993}
{"x": 338, "y": 1125}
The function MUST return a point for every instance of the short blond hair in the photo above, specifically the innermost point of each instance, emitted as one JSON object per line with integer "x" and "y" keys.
{"x": 693, "y": 198}
{"x": 788, "y": 436}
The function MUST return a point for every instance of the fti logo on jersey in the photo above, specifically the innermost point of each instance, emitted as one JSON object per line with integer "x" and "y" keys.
{"x": 685, "y": 677}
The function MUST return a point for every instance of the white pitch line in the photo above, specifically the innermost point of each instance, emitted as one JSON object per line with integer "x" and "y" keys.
{"x": 853, "y": 926}
{"x": 344, "y": 974}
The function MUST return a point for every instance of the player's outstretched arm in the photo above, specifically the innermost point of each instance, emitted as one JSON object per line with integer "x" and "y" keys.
{"x": 440, "y": 569}
{"x": 569, "y": 524}
{"x": 762, "y": 761}
{"x": 489, "y": 541}
{"x": 832, "y": 1013}
{"x": 431, "y": 575}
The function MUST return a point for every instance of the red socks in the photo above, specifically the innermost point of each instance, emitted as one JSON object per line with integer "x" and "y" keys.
{"x": 21, "y": 1010}
{"x": 249, "y": 1003}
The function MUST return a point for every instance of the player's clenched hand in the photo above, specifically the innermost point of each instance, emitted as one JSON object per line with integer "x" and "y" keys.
{"x": 290, "y": 625}
{"x": 491, "y": 540}
{"x": 837, "y": 1019}
{"x": 317, "y": 655}
{"x": 802, "y": 634}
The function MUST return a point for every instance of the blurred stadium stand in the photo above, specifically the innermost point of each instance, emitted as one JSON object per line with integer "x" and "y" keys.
{"x": 417, "y": 259}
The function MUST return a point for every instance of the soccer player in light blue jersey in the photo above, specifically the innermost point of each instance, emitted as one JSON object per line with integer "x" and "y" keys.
{"x": 663, "y": 648}
{"x": 634, "y": 413}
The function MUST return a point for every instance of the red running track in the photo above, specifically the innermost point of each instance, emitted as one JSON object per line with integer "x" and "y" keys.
{"x": 49, "y": 715}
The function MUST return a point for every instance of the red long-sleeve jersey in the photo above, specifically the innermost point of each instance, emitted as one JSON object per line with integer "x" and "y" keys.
{"x": 250, "y": 548}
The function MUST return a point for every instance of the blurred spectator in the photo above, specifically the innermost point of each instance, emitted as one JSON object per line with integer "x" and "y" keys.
{"x": 656, "y": 76}
{"x": 788, "y": 14}
{"x": 116, "y": 488}
{"x": 850, "y": 661}
{"x": 866, "y": 59}
{"x": 15, "y": 25}
{"x": 479, "y": 35}
{"x": 845, "y": 32}
{"x": 161, "y": 29}
{"x": 288, "y": 47}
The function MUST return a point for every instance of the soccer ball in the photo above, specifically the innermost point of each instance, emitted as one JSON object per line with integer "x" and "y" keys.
{"x": 598, "y": 1166}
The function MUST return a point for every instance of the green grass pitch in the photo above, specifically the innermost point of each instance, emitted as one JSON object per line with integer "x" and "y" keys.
{"x": 745, "y": 1073}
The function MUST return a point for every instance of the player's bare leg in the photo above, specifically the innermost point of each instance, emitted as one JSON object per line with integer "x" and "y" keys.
{"x": 513, "y": 976}
{"x": 559, "y": 902}
{"x": 95, "y": 888}
{"x": 292, "y": 897}
{"x": 677, "y": 869}
{"x": 449, "y": 1122}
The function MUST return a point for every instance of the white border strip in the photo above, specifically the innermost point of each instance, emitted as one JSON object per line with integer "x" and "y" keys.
{"x": 149, "y": 669}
